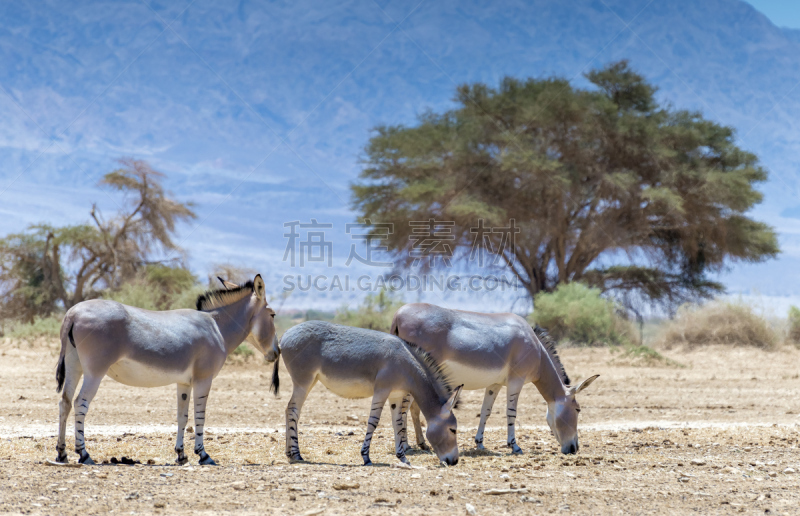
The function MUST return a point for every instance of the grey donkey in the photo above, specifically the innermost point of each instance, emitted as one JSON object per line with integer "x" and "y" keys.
{"x": 488, "y": 351}
{"x": 143, "y": 348}
{"x": 360, "y": 363}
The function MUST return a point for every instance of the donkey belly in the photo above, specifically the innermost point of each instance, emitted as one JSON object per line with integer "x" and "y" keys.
{"x": 348, "y": 387}
{"x": 475, "y": 377}
{"x": 138, "y": 374}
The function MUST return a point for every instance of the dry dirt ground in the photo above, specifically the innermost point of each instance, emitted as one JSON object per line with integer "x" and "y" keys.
{"x": 719, "y": 435}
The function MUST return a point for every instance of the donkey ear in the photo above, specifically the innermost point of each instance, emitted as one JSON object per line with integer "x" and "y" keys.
{"x": 258, "y": 286}
{"x": 452, "y": 401}
{"x": 227, "y": 284}
{"x": 584, "y": 384}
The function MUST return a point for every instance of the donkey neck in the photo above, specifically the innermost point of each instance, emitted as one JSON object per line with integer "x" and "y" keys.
{"x": 234, "y": 322}
{"x": 549, "y": 382}
{"x": 423, "y": 388}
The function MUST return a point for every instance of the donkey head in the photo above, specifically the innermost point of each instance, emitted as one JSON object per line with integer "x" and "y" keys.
{"x": 442, "y": 431}
{"x": 562, "y": 417}
{"x": 262, "y": 332}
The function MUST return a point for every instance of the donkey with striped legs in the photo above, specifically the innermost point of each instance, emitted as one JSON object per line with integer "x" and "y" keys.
{"x": 142, "y": 348}
{"x": 359, "y": 363}
{"x": 488, "y": 351}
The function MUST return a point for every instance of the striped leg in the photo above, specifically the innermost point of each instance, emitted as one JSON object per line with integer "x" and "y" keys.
{"x": 399, "y": 408}
{"x": 184, "y": 391}
{"x": 486, "y": 410}
{"x": 512, "y": 391}
{"x": 418, "y": 426}
{"x": 201, "y": 390}
{"x": 72, "y": 375}
{"x": 85, "y": 397}
{"x": 378, "y": 401}
{"x": 299, "y": 394}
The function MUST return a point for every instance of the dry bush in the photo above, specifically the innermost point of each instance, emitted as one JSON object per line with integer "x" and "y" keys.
{"x": 725, "y": 323}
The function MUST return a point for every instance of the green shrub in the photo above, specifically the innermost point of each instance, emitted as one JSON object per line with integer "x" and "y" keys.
{"x": 159, "y": 287}
{"x": 794, "y": 325}
{"x": 579, "y": 314}
{"x": 47, "y": 327}
{"x": 375, "y": 313}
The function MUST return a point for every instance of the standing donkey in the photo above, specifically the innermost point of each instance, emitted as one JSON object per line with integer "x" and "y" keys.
{"x": 359, "y": 363}
{"x": 487, "y": 351}
{"x": 142, "y": 348}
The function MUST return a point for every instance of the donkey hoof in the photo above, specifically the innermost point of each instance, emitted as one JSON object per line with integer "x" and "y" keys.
{"x": 515, "y": 450}
{"x": 62, "y": 459}
{"x": 296, "y": 458}
{"x": 180, "y": 461}
{"x": 208, "y": 461}
{"x": 424, "y": 446}
{"x": 479, "y": 446}
{"x": 85, "y": 459}
{"x": 367, "y": 462}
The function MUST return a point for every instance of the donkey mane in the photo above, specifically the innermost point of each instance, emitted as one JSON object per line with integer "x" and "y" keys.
{"x": 438, "y": 371}
{"x": 214, "y": 299}
{"x": 549, "y": 344}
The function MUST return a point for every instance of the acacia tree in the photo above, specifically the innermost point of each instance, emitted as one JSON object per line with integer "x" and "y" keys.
{"x": 48, "y": 268}
{"x": 605, "y": 185}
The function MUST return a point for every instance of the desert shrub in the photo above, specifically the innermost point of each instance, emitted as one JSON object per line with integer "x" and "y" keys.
{"x": 719, "y": 322}
{"x": 639, "y": 355}
{"x": 374, "y": 313}
{"x": 41, "y": 327}
{"x": 794, "y": 325}
{"x": 579, "y": 314}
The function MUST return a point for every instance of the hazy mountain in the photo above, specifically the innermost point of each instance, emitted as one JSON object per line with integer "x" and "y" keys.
{"x": 259, "y": 112}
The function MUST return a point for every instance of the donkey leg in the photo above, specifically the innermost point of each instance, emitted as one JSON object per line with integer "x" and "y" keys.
{"x": 512, "y": 391}
{"x": 299, "y": 394}
{"x": 486, "y": 410}
{"x": 407, "y": 399}
{"x": 72, "y": 375}
{"x": 378, "y": 401}
{"x": 85, "y": 397}
{"x": 418, "y": 426}
{"x": 200, "y": 391}
{"x": 184, "y": 391}
{"x": 399, "y": 407}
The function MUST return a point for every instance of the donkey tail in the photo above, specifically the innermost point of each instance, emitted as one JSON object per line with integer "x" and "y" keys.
{"x": 66, "y": 334}
{"x": 276, "y": 381}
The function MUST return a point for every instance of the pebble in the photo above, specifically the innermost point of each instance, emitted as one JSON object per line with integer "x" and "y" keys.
{"x": 352, "y": 417}
{"x": 789, "y": 471}
{"x": 698, "y": 462}
{"x": 470, "y": 509}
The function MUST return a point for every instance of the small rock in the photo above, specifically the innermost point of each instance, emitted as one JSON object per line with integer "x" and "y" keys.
{"x": 772, "y": 474}
{"x": 239, "y": 486}
{"x": 314, "y": 512}
{"x": 470, "y": 509}
{"x": 344, "y": 487}
{"x": 159, "y": 505}
{"x": 789, "y": 471}
{"x": 416, "y": 475}
{"x": 351, "y": 417}
{"x": 730, "y": 469}
{"x": 132, "y": 495}
{"x": 698, "y": 462}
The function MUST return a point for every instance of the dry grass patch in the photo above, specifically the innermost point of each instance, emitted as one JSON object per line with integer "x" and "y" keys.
{"x": 722, "y": 323}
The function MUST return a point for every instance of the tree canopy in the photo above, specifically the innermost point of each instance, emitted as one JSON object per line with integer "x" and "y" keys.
{"x": 606, "y": 186}
{"x": 48, "y": 268}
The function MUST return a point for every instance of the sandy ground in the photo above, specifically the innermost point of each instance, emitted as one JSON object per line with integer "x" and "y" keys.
{"x": 719, "y": 435}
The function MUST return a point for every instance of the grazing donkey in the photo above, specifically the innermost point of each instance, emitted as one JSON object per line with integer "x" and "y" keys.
{"x": 487, "y": 351}
{"x": 143, "y": 348}
{"x": 358, "y": 363}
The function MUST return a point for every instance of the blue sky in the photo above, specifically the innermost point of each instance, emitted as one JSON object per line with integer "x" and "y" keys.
{"x": 783, "y": 13}
{"x": 259, "y": 113}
